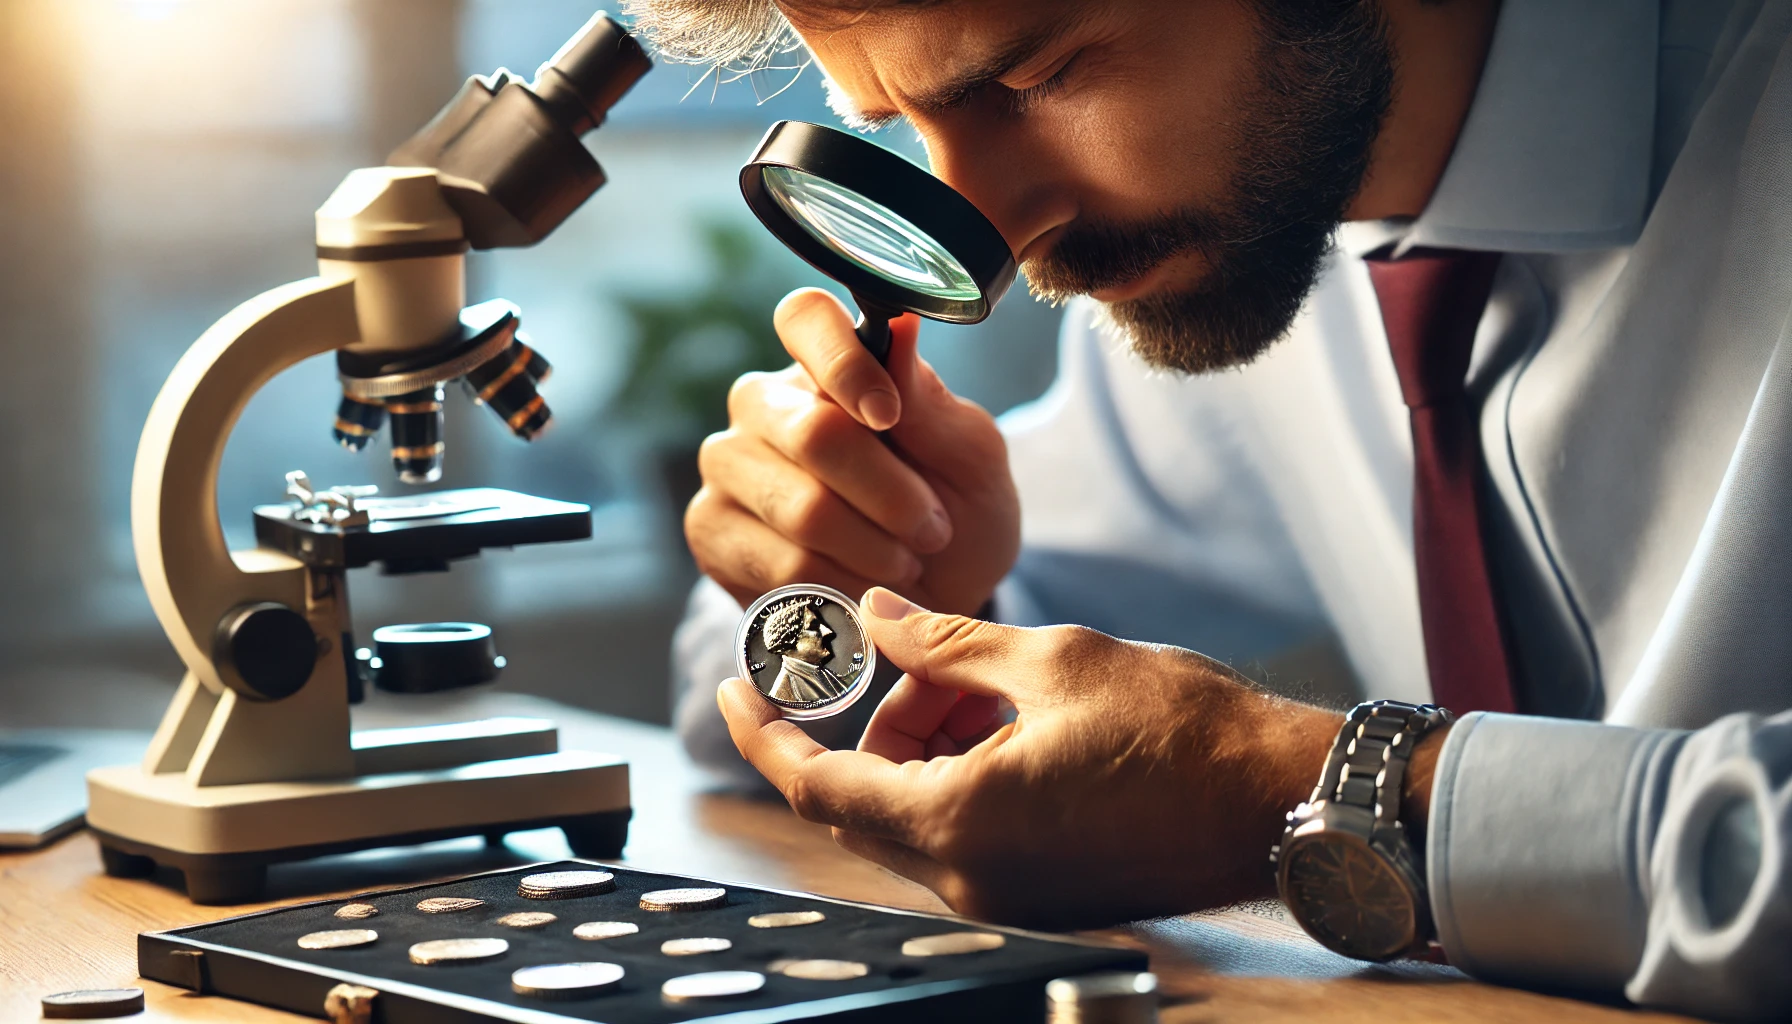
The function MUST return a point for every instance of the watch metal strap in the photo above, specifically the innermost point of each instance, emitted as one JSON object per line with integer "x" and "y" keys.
{"x": 1367, "y": 766}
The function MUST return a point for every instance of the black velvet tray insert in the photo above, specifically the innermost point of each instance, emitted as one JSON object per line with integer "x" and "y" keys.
{"x": 256, "y": 957}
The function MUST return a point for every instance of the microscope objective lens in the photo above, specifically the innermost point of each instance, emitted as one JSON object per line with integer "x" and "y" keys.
{"x": 417, "y": 435}
{"x": 507, "y": 382}
{"x": 357, "y": 421}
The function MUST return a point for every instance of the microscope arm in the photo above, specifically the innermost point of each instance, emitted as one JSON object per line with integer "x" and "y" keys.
{"x": 192, "y": 577}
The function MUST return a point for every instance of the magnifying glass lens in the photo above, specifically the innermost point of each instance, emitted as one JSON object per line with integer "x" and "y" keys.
{"x": 870, "y": 235}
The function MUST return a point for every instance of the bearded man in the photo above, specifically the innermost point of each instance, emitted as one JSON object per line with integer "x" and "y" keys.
{"x": 1450, "y": 332}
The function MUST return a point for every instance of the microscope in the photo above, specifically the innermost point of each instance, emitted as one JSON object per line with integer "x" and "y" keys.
{"x": 255, "y": 762}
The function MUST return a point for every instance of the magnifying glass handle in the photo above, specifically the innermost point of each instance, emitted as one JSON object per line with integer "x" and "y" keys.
{"x": 873, "y": 328}
{"x": 874, "y": 334}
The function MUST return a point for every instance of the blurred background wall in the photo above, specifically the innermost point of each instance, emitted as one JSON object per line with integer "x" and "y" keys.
{"x": 160, "y": 161}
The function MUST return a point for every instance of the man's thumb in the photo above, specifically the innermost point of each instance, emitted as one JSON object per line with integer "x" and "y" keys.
{"x": 952, "y": 651}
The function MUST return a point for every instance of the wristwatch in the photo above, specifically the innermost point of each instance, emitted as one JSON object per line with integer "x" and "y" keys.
{"x": 1346, "y": 867}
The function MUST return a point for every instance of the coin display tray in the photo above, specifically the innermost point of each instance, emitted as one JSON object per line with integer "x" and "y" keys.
{"x": 256, "y": 957}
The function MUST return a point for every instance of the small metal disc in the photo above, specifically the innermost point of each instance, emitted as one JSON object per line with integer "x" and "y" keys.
{"x": 712, "y": 985}
{"x": 691, "y": 947}
{"x": 565, "y": 981}
{"x": 565, "y": 885}
{"x": 448, "y": 904}
{"x": 528, "y": 919}
{"x": 605, "y": 929}
{"x": 821, "y": 970}
{"x": 1111, "y": 997}
{"x": 953, "y": 944}
{"x": 341, "y": 938}
{"x": 458, "y": 951}
{"x": 683, "y": 899}
{"x": 357, "y": 911}
{"x": 787, "y": 919}
{"x": 93, "y": 1003}
{"x": 805, "y": 649}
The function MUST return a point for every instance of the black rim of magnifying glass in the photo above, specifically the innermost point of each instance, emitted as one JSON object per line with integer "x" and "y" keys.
{"x": 887, "y": 179}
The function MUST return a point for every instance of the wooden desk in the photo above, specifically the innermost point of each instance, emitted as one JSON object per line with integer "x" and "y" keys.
{"x": 63, "y": 925}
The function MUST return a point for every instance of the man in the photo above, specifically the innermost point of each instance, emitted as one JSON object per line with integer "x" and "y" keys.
{"x": 1522, "y": 440}
{"x": 796, "y": 633}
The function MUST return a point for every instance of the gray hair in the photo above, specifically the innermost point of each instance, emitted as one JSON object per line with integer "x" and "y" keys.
{"x": 739, "y": 34}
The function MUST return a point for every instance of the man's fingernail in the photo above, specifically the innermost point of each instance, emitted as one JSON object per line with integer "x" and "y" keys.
{"x": 879, "y": 410}
{"x": 888, "y": 605}
{"x": 935, "y": 533}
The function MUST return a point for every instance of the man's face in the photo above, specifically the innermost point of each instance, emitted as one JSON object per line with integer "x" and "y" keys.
{"x": 1183, "y": 161}
{"x": 812, "y": 642}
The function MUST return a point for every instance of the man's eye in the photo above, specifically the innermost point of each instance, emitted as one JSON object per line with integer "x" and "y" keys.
{"x": 1022, "y": 100}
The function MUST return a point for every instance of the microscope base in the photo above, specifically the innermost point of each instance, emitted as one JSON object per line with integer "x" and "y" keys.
{"x": 223, "y": 838}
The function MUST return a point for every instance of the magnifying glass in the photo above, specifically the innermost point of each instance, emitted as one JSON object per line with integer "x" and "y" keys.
{"x": 834, "y": 198}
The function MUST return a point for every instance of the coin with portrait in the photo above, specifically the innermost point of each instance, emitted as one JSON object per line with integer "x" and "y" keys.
{"x": 806, "y": 649}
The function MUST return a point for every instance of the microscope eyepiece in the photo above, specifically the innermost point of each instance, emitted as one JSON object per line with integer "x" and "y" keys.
{"x": 508, "y": 152}
{"x": 590, "y": 73}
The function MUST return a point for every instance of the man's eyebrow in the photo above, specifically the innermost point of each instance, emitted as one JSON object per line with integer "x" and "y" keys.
{"x": 961, "y": 87}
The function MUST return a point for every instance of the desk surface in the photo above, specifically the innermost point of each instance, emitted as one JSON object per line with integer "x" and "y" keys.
{"x": 64, "y": 925}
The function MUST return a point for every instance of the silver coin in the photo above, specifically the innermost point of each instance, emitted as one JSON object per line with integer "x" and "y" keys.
{"x": 605, "y": 929}
{"x": 787, "y": 919}
{"x": 458, "y": 951}
{"x": 821, "y": 970}
{"x": 341, "y": 938}
{"x": 953, "y": 944}
{"x": 691, "y": 947}
{"x": 565, "y": 885}
{"x": 683, "y": 899}
{"x": 712, "y": 985}
{"x": 806, "y": 649}
{"x": 565, "y": 981}
{"x": 93, "y": 1003}
{"x": 357, "y": 911}
{"x": 448, "y": 904}
{"x": 1108, "y": 996}
{"x": 528, "y": 919}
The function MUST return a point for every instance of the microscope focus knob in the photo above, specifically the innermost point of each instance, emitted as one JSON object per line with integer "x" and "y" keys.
{"x": 264, "y": 651}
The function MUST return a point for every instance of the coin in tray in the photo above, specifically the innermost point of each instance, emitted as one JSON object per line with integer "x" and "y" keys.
{"x": 565, "y": 885}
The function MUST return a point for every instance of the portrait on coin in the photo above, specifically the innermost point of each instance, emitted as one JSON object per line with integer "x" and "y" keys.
{"x": 798, "y": 634}
{"x": 805, "y": 642}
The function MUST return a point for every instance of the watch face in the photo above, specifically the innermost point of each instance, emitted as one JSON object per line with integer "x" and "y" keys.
{"x": 1349, "y": 898}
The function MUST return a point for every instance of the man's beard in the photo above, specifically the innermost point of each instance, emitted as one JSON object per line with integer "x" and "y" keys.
{"x": 1304, "y": 137}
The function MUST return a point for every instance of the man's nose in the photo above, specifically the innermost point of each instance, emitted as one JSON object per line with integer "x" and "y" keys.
{"x": 824, "y": 630}
{"x": 1004, "y": 177}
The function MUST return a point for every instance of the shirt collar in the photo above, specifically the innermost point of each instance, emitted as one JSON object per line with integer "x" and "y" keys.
{"x": 1555, "y": 153}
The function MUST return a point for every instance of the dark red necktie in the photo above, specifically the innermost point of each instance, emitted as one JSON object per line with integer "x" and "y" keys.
{"x": 1431, "y": 301}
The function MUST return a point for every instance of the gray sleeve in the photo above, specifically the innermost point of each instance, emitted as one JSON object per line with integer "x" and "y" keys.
{"x": 703, "y": 656}
{"x": 1605, "y": 859}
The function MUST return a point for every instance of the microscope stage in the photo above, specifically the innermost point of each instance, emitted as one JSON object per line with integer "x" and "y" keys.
{"x": 423, "y": 531}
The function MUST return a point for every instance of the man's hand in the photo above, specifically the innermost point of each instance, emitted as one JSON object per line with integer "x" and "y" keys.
{"x": 801, "y": 489}
{"x": 1134, "y": 781}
